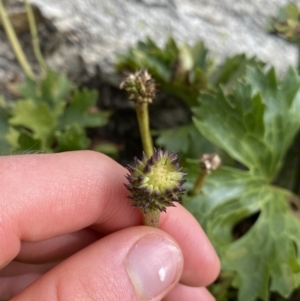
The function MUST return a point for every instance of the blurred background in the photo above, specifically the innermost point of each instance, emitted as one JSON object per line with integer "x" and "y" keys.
{"x": 61, "y": 65}
{"x": 82, "y": 39}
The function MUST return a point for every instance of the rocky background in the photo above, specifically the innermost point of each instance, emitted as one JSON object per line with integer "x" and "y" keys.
{"x": 82, "y": 38}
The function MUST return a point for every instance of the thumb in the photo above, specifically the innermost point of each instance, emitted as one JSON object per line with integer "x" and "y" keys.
{"x": 138, "y": 263}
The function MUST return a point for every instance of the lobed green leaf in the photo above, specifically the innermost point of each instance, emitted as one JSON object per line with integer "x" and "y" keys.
{"x": 79, "y": 111}
{"x": 36, "y": 117}
{"x": 266, "y": 257}
{"x": 256, "y": 123}
{"x": 72, "y": 138}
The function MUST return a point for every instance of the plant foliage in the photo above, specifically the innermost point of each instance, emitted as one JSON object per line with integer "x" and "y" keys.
{"x": 50, "y": 116}
{"x": 287, "y": 23}
{"x": 183, "y": 70}
{"x": 180, "y": 70}
{"x": 255, "y": 125}
{"x": 242, "y": 111}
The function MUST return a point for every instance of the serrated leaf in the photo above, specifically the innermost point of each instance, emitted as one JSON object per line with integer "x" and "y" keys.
{"x": 231, "y": 70}
{"x": 78, "y": 111}
{"x": 72, "y": 138}
{"x": 222, "y": 186}
{"x": 255, "y": 123}
{"x": 266, "y": 257}
{"x": 55, "y": 87}
{"x": 52, "y": 89}
{"x": 273, "y": 243}
{"x": 35, "y": 117}
{"x": 254, "y": 135}
{"x": 282, "y": 116}
{"x": 239, "y": 133}
{"x": 49, "y": 107}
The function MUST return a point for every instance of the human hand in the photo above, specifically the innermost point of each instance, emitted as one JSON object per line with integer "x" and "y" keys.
{"x": 68, "y": 232}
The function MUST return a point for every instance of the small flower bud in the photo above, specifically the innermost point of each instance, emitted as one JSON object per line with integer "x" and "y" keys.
{"x": 155, "y": 183}
{"x": 210, "y": 162}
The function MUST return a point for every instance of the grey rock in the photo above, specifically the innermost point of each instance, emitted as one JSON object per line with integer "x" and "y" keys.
{"x": 89, "y": 33}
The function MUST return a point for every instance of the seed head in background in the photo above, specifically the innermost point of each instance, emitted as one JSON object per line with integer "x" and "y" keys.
{"x": 140, "y": 87}
{"x": 208, "y": 163}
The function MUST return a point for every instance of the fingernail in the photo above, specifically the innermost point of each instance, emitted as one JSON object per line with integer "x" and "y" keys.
{"x": 153, "y": 264}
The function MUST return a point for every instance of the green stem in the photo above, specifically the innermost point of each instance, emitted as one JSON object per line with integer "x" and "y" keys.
{"x": 34, "y": 37}
{"x": 198, "y": 183}
{"x": 141, "y": 89}
{"x": 11, "y": 34}
{"x": 151, "y": 218}
{"x": 143, "y": 120}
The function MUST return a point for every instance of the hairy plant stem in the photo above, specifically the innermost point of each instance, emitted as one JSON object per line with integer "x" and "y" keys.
{"x": 13, "y": 39}
{"x": 34, "y": 37}
{"x": 151, "y": 218}
{"x": 207, "y": 164}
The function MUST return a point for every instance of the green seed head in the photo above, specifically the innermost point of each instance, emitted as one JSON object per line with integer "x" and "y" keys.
{"x": 140, "y": 87}
{"x": 155, "y": 183}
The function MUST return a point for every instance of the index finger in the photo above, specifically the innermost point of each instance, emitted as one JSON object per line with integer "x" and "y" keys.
{"x": 44, "y": 196}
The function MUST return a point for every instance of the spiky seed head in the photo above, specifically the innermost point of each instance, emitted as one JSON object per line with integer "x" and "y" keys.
{"x": 140, "y": 87}
{"x": 155, "y": 182}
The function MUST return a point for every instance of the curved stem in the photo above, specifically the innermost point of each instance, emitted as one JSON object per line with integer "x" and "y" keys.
{"x": 11, "y": 34}
{"x": 34, "y": 37}
{"x": 198, "y": 183}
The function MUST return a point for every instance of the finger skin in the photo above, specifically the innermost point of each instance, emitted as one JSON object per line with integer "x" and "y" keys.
{"x": 98, "y": 272}
{"x": 202, "y": 264}
{"x": 18, "y": 268}
{"x": 182, "y": 292}
{"x": 56, "y": 248}
{"x": 9, "y": 287}
{"x": 45, "y": 196}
